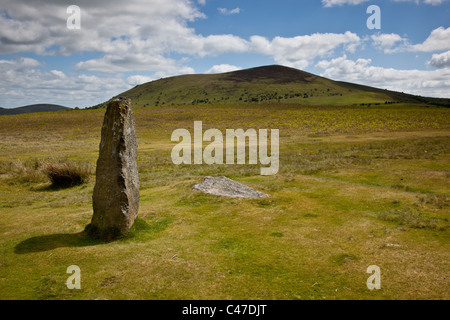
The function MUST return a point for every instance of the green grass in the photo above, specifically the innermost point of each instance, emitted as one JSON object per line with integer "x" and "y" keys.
{"x": 357, "y": 186}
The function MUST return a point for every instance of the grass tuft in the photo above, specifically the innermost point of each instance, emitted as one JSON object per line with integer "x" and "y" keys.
{"x": 277, "y": 234}
{"x": 66, "y": 174}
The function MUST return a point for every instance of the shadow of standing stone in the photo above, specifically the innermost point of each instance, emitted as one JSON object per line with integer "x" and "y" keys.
{"x": 53, "y": 241}
{"x": 116, "y": 191}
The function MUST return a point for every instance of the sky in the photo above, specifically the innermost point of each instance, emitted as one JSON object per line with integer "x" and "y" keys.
{"x": 49, "y": 54}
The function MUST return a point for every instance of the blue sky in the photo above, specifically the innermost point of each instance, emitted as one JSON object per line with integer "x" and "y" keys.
{"x": 122, "y": 44}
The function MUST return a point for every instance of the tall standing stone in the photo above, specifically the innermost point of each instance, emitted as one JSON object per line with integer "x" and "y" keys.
{"x": 116, "y": 191}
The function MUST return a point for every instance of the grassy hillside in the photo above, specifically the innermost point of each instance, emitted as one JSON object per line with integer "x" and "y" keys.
{"x": 357, "y": 186}
{"x": 33, "y": 108}
{"x": 264, "y": 84}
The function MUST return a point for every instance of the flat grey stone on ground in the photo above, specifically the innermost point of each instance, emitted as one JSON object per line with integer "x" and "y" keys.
{"x": 223, "y": 186}
{"x": 116, "y": 192}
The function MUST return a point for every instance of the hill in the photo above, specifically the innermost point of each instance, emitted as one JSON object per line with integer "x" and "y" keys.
{"x": 265, "y": 84}
{"x": 33, "y": 108}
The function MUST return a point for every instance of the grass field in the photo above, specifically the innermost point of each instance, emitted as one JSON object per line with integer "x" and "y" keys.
{"x": 357, "y": 186}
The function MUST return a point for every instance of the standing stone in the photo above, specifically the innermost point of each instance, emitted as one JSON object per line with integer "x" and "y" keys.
{"x": 116, "y": 191}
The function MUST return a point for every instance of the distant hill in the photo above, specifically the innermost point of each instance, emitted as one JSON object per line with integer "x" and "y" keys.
{"x": 33, "y": 108}
{"x": 265, "y": 84}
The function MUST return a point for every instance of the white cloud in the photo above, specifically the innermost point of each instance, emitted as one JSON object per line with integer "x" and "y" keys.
{"x": 22, "y": 77}
{"x": 299, "y": 51}
{"x": 221, "y": 68}
{"x": 136, "y": 37}
{"x": 440, "y": 61}
{"x": 20, "y": 64}
{"x": 434, "y": 83}
{"x": 128, "y": 62}
{"x": 386, "y": 42}
{"x": 145, "y": 36}
{"x": 432, "y": 2}
{"x": 229, "y": 11}
{"x": 211, "y": 45}
{"x": 333, "y": 3}
{"x": 125, "y": 34}
{"x": 16, "y": 35}
{"x": 58, "y": 74}
{"x": 138, "y": 79}
{"x": 439, "y": 39}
